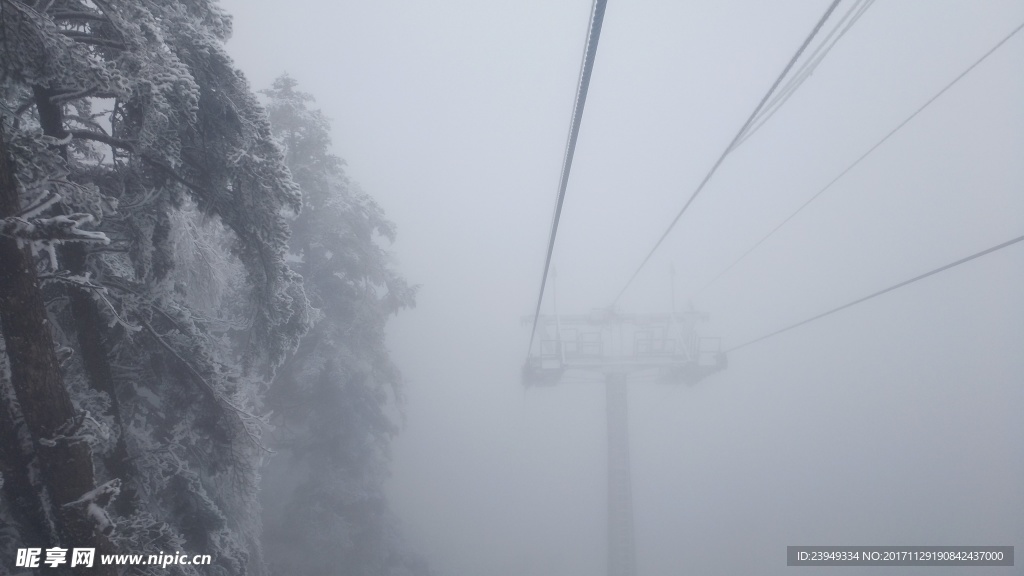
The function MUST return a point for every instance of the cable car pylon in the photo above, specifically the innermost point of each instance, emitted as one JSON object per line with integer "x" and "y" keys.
{"x": 617, "y": 346}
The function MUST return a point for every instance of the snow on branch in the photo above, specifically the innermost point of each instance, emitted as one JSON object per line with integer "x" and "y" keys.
{"x": 245, "y": 418}
{"x": 77, "y": 15}
{"x": 40, "y": 205}
{"x": 69, "y": 95}
{"x": 104, "y": 139}
{"x": 92, "y": 40}
{"x": 81, "y": 428}
{"x": 101, "y": 495}
{"x": 84, "y": 282}
{"x": 94, "y": 501}
{"x": 60, "y": 228}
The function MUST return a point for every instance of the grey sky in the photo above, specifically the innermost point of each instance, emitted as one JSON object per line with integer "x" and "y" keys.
{"x": 896, "y": 422}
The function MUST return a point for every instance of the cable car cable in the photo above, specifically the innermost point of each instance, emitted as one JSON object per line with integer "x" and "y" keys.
{"x": 861, "y": 159}
{"x": 807, "y": 69}
{"x": 586, "y": 68}
{"x": 880, "y": 292}
{"x": 730, "y": 147}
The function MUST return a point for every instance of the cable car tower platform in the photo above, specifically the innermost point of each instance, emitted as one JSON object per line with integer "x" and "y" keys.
{"x": 617, "y": 346}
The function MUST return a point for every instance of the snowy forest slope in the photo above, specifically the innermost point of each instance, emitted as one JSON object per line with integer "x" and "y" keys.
{"x": 192, "y": 295}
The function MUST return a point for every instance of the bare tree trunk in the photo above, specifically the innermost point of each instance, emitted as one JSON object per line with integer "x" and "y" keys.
{"x": 66, "y": 465}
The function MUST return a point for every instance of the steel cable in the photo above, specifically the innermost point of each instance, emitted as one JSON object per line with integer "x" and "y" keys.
{"x": 862, "y": 157}
{"x": 730, "y": 147}
{"x": 586, "y": 69}
{"x": 880, "y": 292}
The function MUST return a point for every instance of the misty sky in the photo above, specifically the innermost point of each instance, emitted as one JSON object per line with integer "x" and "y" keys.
{"x": 897, "y": 422}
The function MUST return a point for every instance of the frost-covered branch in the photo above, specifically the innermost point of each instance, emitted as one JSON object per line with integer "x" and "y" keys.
{"x": 173, "y": 174}
{"x": 84, "y": 282}
{"x": 77, "y": 15}
{"x": 104, "y": 139}
{"x": 101, "y": 495}
{"x": 39, "y": 205}
{"x": 117, "y": 285}
{"x": 94, "y": 501}
{"x": 73, "y": 94}
{"x": 42, "y": 6}
{"x": 86, "y": 38}
{"x": 244, "y": 416}
{"x": 71, "y": 431}
{"x": 60, "y": 228}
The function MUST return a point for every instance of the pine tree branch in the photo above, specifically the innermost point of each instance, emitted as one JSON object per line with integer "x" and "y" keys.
{"x": 42, "y": 6}
{"x": 77, "y": 15}
{"x": 86, "y": 38}
{"x": 173, "y": 174}
{"x": 85, "y": 283}
{"x": 117, "y": 285}
{"x": 73, "y": 94}
{"x": 54, "y": 229}
{"x": 241, "y": 414}
{"x": 203, "y": 382}
{"x": 104, "y": 139}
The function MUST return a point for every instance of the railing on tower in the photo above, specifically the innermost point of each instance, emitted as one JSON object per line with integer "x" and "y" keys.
{"x": 664, "y": 342}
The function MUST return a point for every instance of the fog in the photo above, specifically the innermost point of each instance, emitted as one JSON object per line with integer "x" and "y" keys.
{"x": 895, "y": 422}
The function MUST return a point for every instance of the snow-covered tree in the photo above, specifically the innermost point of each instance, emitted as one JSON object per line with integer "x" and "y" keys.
{"x": 144, "y": 291}
{"x": 335, "y": 401}
{"x": 149, "y": 311}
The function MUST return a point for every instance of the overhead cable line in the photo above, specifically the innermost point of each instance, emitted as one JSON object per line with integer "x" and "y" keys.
{"x": 880, "y": 292}
{"x": 730, "y": 147}
{"x": 862, "y": 157}
{"x": 808, "y": 67}
{"x": 586, "y": 69}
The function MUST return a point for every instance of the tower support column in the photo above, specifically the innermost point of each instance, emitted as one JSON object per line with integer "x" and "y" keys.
{"x": 621, "y": 554}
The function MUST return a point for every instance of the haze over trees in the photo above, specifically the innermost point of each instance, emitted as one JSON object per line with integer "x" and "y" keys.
{"x": 331, "y": 399}
{"x": 192, "y": 295}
